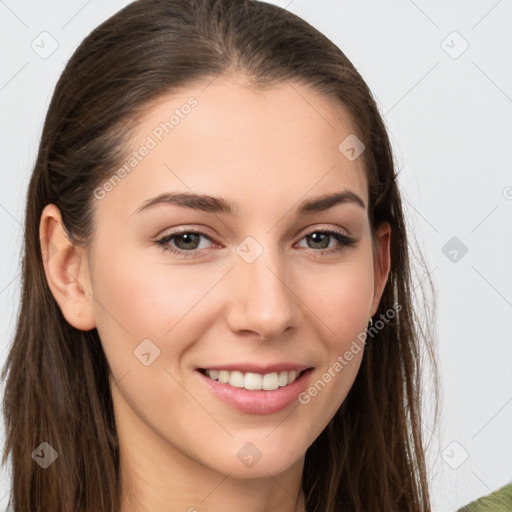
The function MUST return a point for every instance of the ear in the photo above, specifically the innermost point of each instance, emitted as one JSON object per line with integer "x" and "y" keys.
{"x": 67, "y": 271}
{"x": 382, "y": 263}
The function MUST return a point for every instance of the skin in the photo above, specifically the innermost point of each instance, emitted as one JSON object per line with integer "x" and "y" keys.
{"x": 267, "y": 152}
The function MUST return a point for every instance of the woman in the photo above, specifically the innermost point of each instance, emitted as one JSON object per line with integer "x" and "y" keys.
{"x": 217, "y": 304}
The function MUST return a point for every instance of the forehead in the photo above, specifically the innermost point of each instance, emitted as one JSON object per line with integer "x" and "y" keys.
{"x": 251, "y": 146}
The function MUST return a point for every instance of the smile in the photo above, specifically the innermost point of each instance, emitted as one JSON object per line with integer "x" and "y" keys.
{"x": 256, "y": 393}
{"x": 254, "y": 381}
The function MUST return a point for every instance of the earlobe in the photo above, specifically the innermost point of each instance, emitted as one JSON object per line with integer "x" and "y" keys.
{"x": 382, "y": 263}
{"x": 66, "y": 271}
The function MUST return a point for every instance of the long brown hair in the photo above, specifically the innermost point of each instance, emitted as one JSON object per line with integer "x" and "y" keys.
{"x": 371, "y": 454}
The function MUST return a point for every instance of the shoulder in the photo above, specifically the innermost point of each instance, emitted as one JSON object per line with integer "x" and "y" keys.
{"x": 498, "y": 501}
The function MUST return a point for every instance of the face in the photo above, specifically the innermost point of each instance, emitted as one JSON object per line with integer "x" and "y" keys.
{"x": 254, "y": 286}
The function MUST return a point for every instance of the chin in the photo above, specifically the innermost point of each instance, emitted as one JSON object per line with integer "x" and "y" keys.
{"x": 260, "y": 457}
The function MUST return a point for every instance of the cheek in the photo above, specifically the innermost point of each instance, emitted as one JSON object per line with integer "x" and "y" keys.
{"x": 148, "y": 298}
{"x": 341, "y": 296}
{"x": 138, "y": 300}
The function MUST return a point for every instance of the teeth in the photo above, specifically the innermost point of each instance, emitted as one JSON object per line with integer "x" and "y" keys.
{"x": 236, "y": 379}
{"x": 270, "y": 381}
{"x": 283, "y": 378}
{"x": 254, "y": 381}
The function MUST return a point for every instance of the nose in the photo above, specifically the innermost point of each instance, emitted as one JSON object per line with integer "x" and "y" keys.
{"x": 263, "y": 301}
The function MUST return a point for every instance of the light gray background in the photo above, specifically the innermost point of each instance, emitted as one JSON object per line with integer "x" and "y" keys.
{"x": 449, "y": 119}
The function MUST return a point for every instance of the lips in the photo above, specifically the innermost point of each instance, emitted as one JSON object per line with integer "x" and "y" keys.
{"x": 256, "y": 400}
{"x": 256, "y": 388}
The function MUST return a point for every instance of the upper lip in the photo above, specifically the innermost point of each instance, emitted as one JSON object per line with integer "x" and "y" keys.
{"x": 256, "y": 368}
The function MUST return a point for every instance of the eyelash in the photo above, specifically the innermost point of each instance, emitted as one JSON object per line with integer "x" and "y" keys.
{"x": 345, "y": 242}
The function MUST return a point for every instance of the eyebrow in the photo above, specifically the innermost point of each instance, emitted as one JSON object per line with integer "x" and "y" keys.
{"x": 211, "y": 204}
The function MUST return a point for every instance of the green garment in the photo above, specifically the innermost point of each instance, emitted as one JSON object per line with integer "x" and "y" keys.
{"x": 498, "y": 501}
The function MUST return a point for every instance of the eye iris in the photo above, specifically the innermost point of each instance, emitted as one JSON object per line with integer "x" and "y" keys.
{"x": 190, "y": 238}
{"x": 320, "y": 238}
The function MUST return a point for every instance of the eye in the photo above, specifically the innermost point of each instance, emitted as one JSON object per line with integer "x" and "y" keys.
{"x": 322, "y": 238}
{"x": 186, "y": 243}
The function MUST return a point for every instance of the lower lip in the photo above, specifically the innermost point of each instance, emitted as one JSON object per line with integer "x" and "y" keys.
{"x": 258, "y": 401}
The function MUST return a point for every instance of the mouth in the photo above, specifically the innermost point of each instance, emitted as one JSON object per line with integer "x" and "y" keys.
{"x": 253, "y": 381}
{"x": 256, "y": 390}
